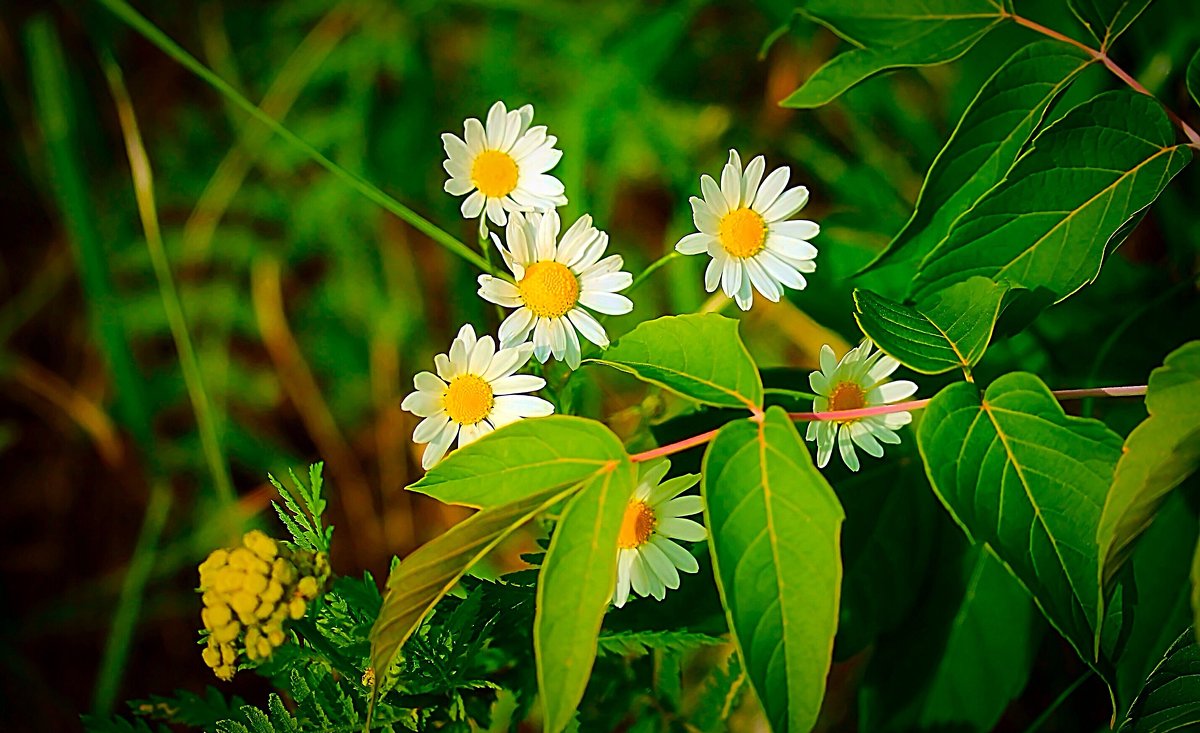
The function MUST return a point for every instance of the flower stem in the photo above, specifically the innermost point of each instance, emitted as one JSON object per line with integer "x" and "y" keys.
{"x": 652, "y": 268}
{"x": 1060, "y": 394}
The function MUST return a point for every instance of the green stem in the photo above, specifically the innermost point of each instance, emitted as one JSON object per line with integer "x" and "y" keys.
{"x": 789, "y": 393}
{"x": 652, "y": 268}
{"x": 150, "y": 32}
{"x": 143, "y": 184}
{"x": 1054, "y": 706}
{"x": 129, "y": 604}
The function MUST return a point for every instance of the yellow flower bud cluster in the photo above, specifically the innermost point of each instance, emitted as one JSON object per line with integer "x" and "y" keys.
{"x": 249, "y": 593}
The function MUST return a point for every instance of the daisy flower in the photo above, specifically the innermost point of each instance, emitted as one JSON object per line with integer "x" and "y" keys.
{"x": 554, "y": 280}
{"x": 474, "y": 391}
{"x": 859, "y": 380}
{"x": 503, "y": 166}
{"x": 742, "y": 226}
{"x": 648, "y": 561}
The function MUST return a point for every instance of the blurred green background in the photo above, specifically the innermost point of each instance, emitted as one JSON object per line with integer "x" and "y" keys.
{"x": 310, "y": 307}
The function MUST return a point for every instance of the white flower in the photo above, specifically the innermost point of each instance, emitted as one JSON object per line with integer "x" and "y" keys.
{"x": 742, "y": 227}
{"x": 503, "y": 166}
{"x": 858, "y": 380}
{"x": 554, "y": 281}
{"x": 474, "y": 391}
{"x": 647, "y": 559}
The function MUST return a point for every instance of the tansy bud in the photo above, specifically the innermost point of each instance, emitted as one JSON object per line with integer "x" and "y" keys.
{"x": 308, "y": 587}
{"x": 296, "y": 608}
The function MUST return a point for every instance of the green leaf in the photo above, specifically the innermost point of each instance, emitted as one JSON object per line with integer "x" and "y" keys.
{"x": 1158, "y": 455}
{"x": 419, "y": 581}
{"x": 950, "y": 329}
{"x": 1149, "y": 603}
{"x": 575, "y": 586}
{"x": 891, "y": 35}
{"x": 1028, "y": 481}
{"x": 1048, "y": 225}
{"x": 774, "y": 527}
{"x": 1193, "y": 78}
{"x": 1107, "y": 19}
{"x": 641, "y": 643}
{"x": 1170, "y": 701}
{"x": 985, "y": 144}
{"x": 523, "y": 459}
{"x": 699, "y": 356}
{"x": 966, "y": 654}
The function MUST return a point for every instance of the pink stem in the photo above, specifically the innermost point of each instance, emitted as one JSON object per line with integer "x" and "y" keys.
{"x": 695, "y": 440}
{"x": 1102, "y": 56}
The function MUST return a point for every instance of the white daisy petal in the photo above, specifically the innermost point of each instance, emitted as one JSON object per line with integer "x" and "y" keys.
{"x": 712, "y": 275}
{"x": 799, "y": 229}
{"x": 613, "y": 304}
{"x": 894, "y": 391}
{"x": 818, "y": 382}
{"x": 428, "y": 382}
{"x": 516, "y": 327}
{"x": 717, "y": 203}
{"x": 436, "y": 449}
{"x": 751, "y": 179}
{"x": 661, "y": 565}
{"x": 828, "y": 360}
{"x": 422, "y": 404}
{"x": 610, "y": 282}
{"x": 430, "y": 428}
{"x": 684, "y": 506}
{"x": 525, "y": 405}
{"x": 475, "y": 137}
{"x": 624, "y": 560}
{"x": 693, "y": 244}
{"x": 846, "y": 448}
{"x": 883, "y": 368}
{"x": 788, "y": 203}
{"x": 459, "y": 186}
{"x": 473, "y": 205}
{"x": 678, "y": 556}
{"x": 862, "y": 437}
{"x": 731, "y": 184}
{"x": 445, "y": 369}
{"x": 682, "y": 529}
{"x": 705, "y": 219}
{"x": 770, "y": 189}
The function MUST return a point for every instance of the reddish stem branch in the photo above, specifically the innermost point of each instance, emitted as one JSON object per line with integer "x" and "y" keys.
{"x": 701, "y": 439}
{"x": 1102, "y": 56}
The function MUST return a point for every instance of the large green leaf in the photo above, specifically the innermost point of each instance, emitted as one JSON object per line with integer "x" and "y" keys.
{"x": 1107, "y": 19}
{"x": 774, "y": 525}
{"x": 1149, "y": 603}
{"x": 1028, "y": 481}
{"x": 1158, "y": 455}
{"x": 523, "y": 459}
{"x": 1193, "y": 78}
{"x": 575, "y": 586}
{"x": 890, "y": 35}
{"x": 428, "y": 574}
{"x": 699, "y": 356}
{"x": 1170, "y": 701}
{"x": 986, "y": 143}
{"x": 963, "y": 657}
{"x": 1048, "y": 225}
{"x": 949, "y": 330}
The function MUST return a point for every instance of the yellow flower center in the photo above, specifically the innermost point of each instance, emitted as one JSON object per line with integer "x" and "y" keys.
{"x": 494, "y": 173}
{"x": 549, "y": 289}
{"x": 468, "y": 399}
{"x": 637, "y": 526}
{"x": 847, "y": 396}
{"x": 742, "y": 232}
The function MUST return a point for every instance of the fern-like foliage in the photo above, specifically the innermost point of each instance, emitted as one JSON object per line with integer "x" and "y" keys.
{"x": 302, "y": 509}
{"x": 638, "y": 643}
